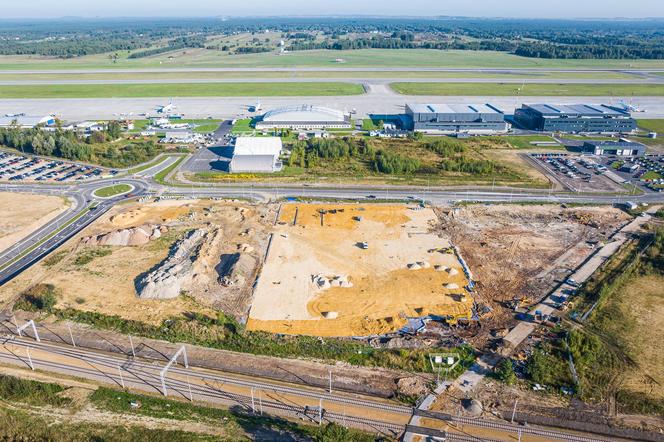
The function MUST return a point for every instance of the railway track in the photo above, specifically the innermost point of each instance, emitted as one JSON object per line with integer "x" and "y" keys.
{"x": 503, "y": 426}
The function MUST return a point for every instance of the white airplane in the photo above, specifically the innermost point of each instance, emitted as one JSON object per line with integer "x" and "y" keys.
{"x": 166, "y": 109}
{"x": 630, "y": 107}
{"x": 256, "y": 107}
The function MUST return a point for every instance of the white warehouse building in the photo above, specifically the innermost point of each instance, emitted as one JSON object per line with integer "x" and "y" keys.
{"x": 304, "y": 117}
{"x": 256, "y": 154}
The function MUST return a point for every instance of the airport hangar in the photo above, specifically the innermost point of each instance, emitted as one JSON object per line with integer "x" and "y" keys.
{"x": 575, "y": 118}
{"x": 304, "y": 117}
{"x": 256, "y": 154}
{"x": 454, "y": 119}
{"x": 618, "y": 148}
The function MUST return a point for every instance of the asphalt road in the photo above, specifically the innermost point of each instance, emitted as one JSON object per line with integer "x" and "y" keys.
{"x": 379, "y": 100}
{"x": 43, "y": 241}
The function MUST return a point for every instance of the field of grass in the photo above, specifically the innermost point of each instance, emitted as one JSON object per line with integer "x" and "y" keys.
{"x": 221, "y": 76}
{"x": 411, "y": 58}
{"x": 35, "y": 407}
{"x": 180, "y": 90}
{"x": 532, "y": 89}
{"x": 651, "y": 175}
{"x": 243, "y": 125}
{"x": 110, "y": 191}
{"x": 652, "y": 125}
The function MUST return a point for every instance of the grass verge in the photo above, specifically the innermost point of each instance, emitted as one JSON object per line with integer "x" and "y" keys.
{"x": 530, "y": 89}
{"x": 161, "y": 176}
{"x": 181, "y": 90}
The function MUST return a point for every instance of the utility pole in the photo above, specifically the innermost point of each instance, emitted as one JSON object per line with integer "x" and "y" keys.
{"x": 320, "y": 411}
{"x": 514, "y": 411}
{"x": 121, "y": 378}
{"x": 131, "y": 342}
{"x": 330, "y": 371}
{"x": 71, "y": 336}
{"x": 32, "y": 367}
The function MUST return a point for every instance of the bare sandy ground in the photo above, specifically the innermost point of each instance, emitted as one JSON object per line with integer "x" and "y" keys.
{"x": 384, "y": 292}
{"x": 106, "y": 284}
{"x": 23, "y": 213}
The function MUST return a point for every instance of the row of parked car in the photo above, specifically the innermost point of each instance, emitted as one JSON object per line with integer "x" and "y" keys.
{"x": 23, "y": 168}
{"x": 568, "y": 166}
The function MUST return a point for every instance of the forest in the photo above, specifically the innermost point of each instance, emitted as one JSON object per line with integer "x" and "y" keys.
{"x": 450, "y": 156}
{"x": 104, "y": 147}
{"x": 537, "y": 38}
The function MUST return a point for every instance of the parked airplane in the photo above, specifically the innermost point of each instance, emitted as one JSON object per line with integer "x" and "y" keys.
{"x": 166, "y": 109}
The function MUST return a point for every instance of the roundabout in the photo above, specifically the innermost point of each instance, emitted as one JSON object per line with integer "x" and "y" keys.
{"x": 113, "y": 191}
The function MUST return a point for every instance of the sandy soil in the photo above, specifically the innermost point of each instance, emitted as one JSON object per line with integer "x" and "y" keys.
{"x": 107, "y": 283}
{"x": 384, "y": 291}
{"x": 519, "y": 251}
{"x": 23, "y": 213}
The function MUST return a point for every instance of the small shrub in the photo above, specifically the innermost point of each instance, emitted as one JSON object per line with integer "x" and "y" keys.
{"x": 504, "y": 372}
{"x": 41, "y": 297}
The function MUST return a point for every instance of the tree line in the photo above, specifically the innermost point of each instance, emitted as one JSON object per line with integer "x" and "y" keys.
{"x": 530, "y": 38}
{"x": 96, "y": 148}
{"x": 173, "y": 45}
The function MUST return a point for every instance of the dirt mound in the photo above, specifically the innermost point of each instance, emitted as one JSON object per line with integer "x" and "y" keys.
{"x": 136, "y": 236}
{"x": 175, "y": 273}
{"x": 412, "y": 386}
{"x": 235, "y": 269}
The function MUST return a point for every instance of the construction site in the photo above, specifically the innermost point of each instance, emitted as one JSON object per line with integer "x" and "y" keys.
{"x": 518, "y": 253}
{"x": 413, "y": 275}
{"x": 357, "y": 270}
{"x": 152, "y": 261}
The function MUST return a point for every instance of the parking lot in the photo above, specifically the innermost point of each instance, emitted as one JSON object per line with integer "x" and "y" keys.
{"x": 649, "y": 175}
{"x": 15, "y": 167}
{"x": 578, "y": 173}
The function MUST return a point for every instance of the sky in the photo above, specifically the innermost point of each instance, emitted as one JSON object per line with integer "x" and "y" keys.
{"x": 211, "y": 8}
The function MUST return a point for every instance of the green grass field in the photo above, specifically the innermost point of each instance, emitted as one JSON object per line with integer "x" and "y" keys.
{"x": 110, "y": 191}
{"x": 180, "y": 90}
{"x": 221, "y": 76}
{"x": 652, "y": 125}
{"x": 412, "y": 58}
{"x": 243, "y": 125}
{"x": 533, "y": 89}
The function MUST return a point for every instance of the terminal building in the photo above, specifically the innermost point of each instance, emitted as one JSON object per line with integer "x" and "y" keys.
{"x": 575, "y": 118}
{"x": 618, "y": 148}
{"x": 455, "y": 118}
{"x": 304, "y": 117}
{"x": 256, "y": 154}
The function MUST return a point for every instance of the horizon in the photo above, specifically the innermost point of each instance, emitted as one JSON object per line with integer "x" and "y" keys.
{"x": 336, "y": 16}
{"x": 515, "y": 9}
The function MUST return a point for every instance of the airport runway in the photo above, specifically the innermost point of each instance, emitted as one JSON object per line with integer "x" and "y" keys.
{"x": 379, "y": 100}
{"x": 355, "y": 80}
